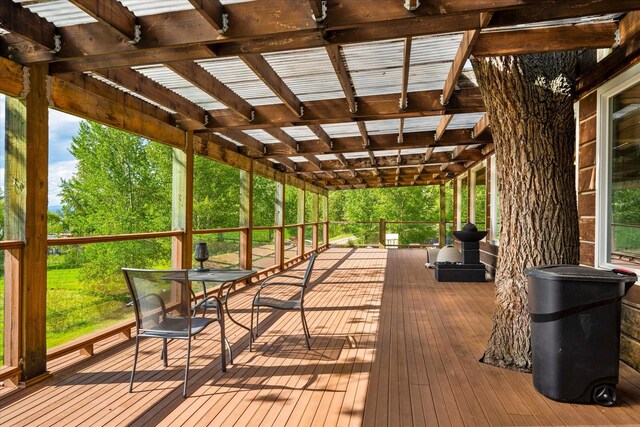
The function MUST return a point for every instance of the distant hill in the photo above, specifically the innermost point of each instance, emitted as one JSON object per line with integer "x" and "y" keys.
{"x": 55, "y": 208}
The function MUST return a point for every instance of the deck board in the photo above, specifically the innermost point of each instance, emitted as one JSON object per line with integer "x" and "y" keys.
{"x": 390, "y": 347}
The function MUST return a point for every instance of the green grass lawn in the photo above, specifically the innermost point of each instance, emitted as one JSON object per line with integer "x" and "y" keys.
{"x": 75, "y": 309}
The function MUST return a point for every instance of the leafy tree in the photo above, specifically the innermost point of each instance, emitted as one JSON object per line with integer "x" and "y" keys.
{"x": 122, "y": 185}
{"x": 216, "y": 195}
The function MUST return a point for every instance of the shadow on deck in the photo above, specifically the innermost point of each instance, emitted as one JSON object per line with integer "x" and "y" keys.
{"x": 390, "y": 347}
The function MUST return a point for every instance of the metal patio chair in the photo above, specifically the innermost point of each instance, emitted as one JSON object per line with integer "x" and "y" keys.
{"x": 162, "y": 306}
{"x": 292, "y": 304}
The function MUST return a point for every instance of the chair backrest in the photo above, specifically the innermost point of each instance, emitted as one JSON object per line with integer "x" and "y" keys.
{"x": 307, "y": 273}
{"x": 158, "y": 295}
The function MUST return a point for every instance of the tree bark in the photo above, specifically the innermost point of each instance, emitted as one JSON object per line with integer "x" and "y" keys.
{"x": 529, "y": 103}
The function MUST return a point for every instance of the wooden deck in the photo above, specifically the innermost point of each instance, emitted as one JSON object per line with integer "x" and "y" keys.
{"x": 390, "y": 347}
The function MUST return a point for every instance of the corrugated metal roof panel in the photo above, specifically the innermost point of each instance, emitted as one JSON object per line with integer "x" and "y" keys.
{"x": 238, "y": 77}
{"x": 261, "y": 136}
{"x": 421, "y": 124}
{"x": 356, "y": 155}
{"x": 443, "y": 149}
{"x": 308, "y": 73}
{"x": 300, "y": 133}
{"x": 228, "y": 139}
{"x": 323, "y": 157}
{"x": 378, "y": 127}
{"x": 570, "y": 21}
{"x": 59, "y": 12}
{"x": 339, "y": 130}
{"x": 464, "y": 121}
{"x": 171, "y": 80}
{"x": 154, "y": 7}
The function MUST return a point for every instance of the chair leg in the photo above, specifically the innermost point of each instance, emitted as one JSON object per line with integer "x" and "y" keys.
{"x": 165, "y": 355}
{"x": 223, "y": 337}
{"x": 228, "y": 344}
{"x": 305, "y": 327}
{"x": 251, "y": 330}
{"x": 135, "y": 362}
{"x": 186, "y": 369}
{"x": 257, "y": 321}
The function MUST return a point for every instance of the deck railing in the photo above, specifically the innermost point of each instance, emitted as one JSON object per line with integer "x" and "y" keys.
{"x": 410, "y": 233}
{"x": 282, "y": 251}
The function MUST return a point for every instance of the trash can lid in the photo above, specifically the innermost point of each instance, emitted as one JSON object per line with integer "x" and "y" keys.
{"x": 578, "y": 272}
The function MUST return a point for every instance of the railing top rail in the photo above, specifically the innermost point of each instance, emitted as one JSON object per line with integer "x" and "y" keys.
{"x": 61, "y": 241}
{"x": 219, "y": 230}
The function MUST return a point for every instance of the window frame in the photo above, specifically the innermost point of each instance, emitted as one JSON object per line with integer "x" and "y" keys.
{"x": 605, "y": 95}
{"x": 472, "y": 191}
{"x": 493, "y": 207}
{"x": 458, "y": 213}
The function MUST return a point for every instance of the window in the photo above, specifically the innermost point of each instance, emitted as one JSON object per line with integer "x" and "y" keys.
{"x": 618, "y": 193}
{"x": 478, "y": 213}
{"x": 495, "y": 203}
{"x": 463, "y": 200}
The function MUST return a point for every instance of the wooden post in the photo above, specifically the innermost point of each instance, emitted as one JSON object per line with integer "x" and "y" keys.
{"x": 246, "y": 217}
{"x": 182, "y": 204}
{"x": 325, "y": 220}
{"x": 487, "y": 209}
{"x": 454, "y": 182}
{"x": 27, "y": 154}
{"x": 314, "y": 219}
{"x": 300, "y": 222}
{"x": 279, "y": 222}
{"x": 442, "y": 229}
{"x": 382, "y": 233}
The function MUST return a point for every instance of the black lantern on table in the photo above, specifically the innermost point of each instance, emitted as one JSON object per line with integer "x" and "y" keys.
{"x": 201, "y": 255}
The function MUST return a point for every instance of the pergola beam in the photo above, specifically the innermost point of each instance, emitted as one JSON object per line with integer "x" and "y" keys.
{"x": 323, "y": 137}
{"x": 467, "y": 44}
{"x": 335, "y": 55}
{"x": 481, "y": 126}
{"x": 442, "y": 126}
{"x": 200, "y": 78}
{"x": 113, "y": 14}
{"x": 213, "y": 12}
{"x": 381, "y": 142}
{"x": 374, "y": 107}
{"x": 288, "y": 143}
{"x": 186, "y": 34}
{"x": 269, "y": 77}
{"x": 406, "y": 65}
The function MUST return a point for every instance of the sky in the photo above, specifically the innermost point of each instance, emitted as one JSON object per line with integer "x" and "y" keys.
{"x": 62, "y": 165}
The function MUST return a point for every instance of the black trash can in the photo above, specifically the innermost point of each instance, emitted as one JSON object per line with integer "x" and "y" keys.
{"x": 575, "y": 331}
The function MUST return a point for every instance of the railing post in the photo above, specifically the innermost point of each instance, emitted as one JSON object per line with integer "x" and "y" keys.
{"x": 26, "y": 175}
{"x": 246, "y": 217}
{"x": 182, "y": 204}
{"x": 456, "y": 214}
{"x": 382, "y": 233}
{"x": 325, "y": 220}
{"x": 442, "y": 229}
{"x": 300, "y": 222}
{"x": 314, "y": 216}
{"x": 279, "y": 222}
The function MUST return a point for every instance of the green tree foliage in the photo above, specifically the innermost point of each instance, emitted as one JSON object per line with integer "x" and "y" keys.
{"x": 216, "y": 195}
{"x": 391, "y": 204}
{"x": 122, "y": 185}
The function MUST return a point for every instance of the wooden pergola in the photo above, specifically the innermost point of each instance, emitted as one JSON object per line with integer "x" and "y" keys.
{"x": 320, "y": 95}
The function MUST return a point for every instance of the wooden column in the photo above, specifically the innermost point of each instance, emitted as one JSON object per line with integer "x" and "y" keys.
{"x": 325, "y": 220}
{"x": 382, "y": 233}
{"x": 300, "y": 222}
{"x": 27, "y": 151}
{"x": 279, "y": 222}
{"x": 182, "y": 204}
{"x": 246, "y": 217}
{"x": 442, "y": 229}
{"x": 455, "y": 204}
{"x": 314, "y": 219}
{"x": 487, "y": 210}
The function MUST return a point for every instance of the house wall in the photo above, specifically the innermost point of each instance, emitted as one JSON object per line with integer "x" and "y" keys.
{"x": 587, "y": 159}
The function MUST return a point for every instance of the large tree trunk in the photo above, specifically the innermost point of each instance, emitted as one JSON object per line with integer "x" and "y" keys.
{"x": 529, "y": 103}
